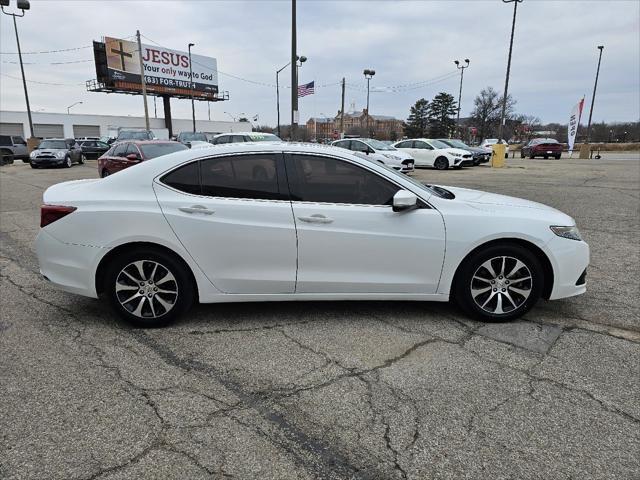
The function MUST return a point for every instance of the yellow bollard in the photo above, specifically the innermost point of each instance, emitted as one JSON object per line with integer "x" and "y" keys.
{"x": 499, "y": 152}
{"x": 584, "y": 151}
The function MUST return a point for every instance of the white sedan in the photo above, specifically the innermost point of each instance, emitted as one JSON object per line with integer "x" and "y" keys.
{"x": 378, "y": 151}
{"x": 434, "y": 153}
{"x": 274, "y": 221}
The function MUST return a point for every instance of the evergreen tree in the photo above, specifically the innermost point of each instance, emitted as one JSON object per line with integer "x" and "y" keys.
{"x": 416, "y": 125}
{"x": 441, "y": 113}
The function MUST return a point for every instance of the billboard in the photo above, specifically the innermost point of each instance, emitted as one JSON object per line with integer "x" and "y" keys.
{"x": 165, "y": 70}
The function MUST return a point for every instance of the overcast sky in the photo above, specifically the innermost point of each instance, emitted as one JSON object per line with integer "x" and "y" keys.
{"x": 554, "y": 60}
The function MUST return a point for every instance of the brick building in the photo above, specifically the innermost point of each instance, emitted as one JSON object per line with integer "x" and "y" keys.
{"x": 382, "y": 127}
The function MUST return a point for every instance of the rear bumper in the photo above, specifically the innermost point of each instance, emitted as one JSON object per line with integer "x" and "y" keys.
{"x": 69, "y": 267}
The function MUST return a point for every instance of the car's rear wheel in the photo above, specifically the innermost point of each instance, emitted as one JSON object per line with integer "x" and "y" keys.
{"x": 149, "y": 288}
{"x": 6, "y": 157}
{"x": 105, "y": 173}
{"x": 546, "y": 157}
{"x": 83, "y": 158}
{"x": 532, "y": 156}
{"x": 557, "y": 157}
{"x": 499, "y": 283}
{"x": 441, "y": 163}
{"x": 68, "y": 162}
{"x": 522, "y": 155}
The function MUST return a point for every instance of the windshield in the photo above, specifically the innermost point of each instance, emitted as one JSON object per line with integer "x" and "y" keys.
{"x": 193, "y": 137}
{"x": 153, "y": 150}
{"x": 134, "y": 136}
{"x": 52, "y": 144}
{"x": 377, "y": 144}
{"x": 456, "y": 143}
{"x": 438, "y": 144}
{"x": 263, "y": 137}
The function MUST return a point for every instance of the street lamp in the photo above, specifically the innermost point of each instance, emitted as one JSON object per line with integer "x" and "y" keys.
{"x": 506, "y": 81}
{"x": 234, "y": 118}
{"x": 22, "y": 5}
{"x": 193, "y": 107}
{"x": 72, "y": 105}
{"x": 301, "y": 59}
{"x": 461, "y": 68}
{"x": 593, "y": 97}
{"x": 368, "y": 74}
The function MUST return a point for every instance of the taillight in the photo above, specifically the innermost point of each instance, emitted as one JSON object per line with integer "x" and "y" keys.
{"x": 51, "y": 213}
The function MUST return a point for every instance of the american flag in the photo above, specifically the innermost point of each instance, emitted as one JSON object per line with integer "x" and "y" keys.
{"x": 304, "y": 90}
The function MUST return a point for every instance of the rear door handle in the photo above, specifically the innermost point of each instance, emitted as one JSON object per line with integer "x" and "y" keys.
{"x": 197, "y": 209}
{"x": 316, "y": 218}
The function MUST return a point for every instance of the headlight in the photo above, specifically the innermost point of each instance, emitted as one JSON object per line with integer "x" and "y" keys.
{"x": 456, "y": 154}
{"x": 33, "y": 154}
{"x": 61, "y": 154}
{"x": 571, "y": 233}
{"x": 392, "y": 157}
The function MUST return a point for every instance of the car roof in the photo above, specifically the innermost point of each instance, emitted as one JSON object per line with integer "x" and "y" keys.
{"x": 146, "y": 142}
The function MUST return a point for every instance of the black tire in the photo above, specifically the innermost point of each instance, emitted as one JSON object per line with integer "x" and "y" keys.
{"x": 33, "y": 165}
{"x": 441, "y": 163}
{"x": 546, "y": 157}
{"x": 82, "y": 159}
{"x": 25, "y": 160}
{"x": 522, "y": 155}
{"x": 182, "y": 283}
{"x": 6, "y": 157}
{"x": 467, "y": 278}
{"x": 532, "y": 156}
{"x": 557, "y": 157}
{"x": 105, "y": 173}
{"x": 68, "y": 162}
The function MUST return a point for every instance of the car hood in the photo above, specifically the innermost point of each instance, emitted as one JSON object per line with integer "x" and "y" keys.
{"x": 458, "y": 151}
{"x": 480, "y": 199}
{"x": 52, "y": 150}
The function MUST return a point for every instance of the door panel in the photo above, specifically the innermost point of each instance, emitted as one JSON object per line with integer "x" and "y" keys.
{"x": 243, "y": 245}
{"x": 422, "y": 154}
{"x": 360, "y": 245}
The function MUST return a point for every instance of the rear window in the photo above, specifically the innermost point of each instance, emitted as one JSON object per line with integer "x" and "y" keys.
{"x": 153, "y": 150}
{"x": 263, "y": 137}
{"x": 186, "y": 178}
{"x": 134, "y": 136}
{"x": 5, "y": 140}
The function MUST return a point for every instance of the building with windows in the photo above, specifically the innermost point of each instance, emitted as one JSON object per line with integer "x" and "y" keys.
{"x": 382, "y": 127}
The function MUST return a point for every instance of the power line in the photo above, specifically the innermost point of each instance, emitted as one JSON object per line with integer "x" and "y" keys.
{"x": 48, "y": 51}
{"x": 47, "y": 63}
{"x": 44, "y": 83}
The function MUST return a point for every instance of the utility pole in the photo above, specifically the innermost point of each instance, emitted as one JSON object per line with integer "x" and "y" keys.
{"x": 368, "y": 74}
{"x": 294, "y": 73}
{"x": 461, "y": 68}
{"x": 342, "y": 111}
{"x": 144, "y": 84}
{"x": 593, "y": 97}
{"x": 22, "y": 5}
{"x": 506, "y": 81}
{"x": 193, "y": 106}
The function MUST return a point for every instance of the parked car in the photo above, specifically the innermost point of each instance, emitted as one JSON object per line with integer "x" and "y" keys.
{"x": 479, "y": 155}
{"x": 237, "y": 137}
{"x": 62, "y": 152}
{"x": 13, "y": 147}
{"x": 187, "y": 138}
{"x": 93, "y": 148}
{"x": 488, "y": 144}
{"x": 434, "y": 153}
{"x": 224, "y": 225}
{"x": 377, "y": 151}
{"x": 126, "y": 154}
{"x": 542, "y": 147}
{"x": 135, "y": 135}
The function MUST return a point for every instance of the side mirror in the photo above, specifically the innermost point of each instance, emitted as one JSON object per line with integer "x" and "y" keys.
{"x": 404, "y": 200}
{"x": 133, "y": 157}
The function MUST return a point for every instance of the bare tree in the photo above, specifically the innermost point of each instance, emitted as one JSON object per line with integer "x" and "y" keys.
{"x": 487, "y": 110}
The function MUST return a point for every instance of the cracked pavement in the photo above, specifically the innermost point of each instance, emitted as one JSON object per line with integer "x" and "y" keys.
{"x": 334, "y": 390}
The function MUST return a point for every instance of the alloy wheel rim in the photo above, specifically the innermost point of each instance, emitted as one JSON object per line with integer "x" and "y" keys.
{"x": 146, "y": 289}
{"x": 68, "y": 162}
{"x": 501, "y": 285}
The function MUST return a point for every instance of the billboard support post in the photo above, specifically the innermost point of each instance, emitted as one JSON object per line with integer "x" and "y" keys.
{"x": 144, "y": 85}
{"x": 166, "y": 103}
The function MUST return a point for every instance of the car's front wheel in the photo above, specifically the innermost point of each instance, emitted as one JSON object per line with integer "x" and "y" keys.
{"x": 499, "y": 283}
{"x": 441, "y": 163}
{"x": 68, "y": 162}
{"x": 149, "y": 288}
{"x": 83, "y": 158}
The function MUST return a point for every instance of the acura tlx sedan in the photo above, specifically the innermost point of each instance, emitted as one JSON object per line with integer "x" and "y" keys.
{"x": 247, "y": 222}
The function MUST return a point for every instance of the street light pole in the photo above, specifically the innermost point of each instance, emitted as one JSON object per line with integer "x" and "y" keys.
{"x": 506, "y": 81}
{"x": 294, "y": 73}
{"x": 593, "y": 97}
{"x": 73, "y": 105}
{"x": 193, "y": 106}
{"x": 368, "y": 74}
{"x": 461, "y": 68}
{"x": 22, "y": 5}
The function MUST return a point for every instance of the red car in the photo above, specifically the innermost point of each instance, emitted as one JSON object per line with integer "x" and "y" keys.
{"x": 128, "y": 153}
{"x": 542, "y": 147}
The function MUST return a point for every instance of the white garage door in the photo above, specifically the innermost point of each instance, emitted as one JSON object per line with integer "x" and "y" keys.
{"x": 86, "y": 131}
{"x": 11, "y": 129}
{"x": 48, "y": 130}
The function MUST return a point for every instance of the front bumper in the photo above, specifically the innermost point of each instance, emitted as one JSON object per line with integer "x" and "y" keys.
{"x": 46, "y": 161}
{"x": 570, "y": 259}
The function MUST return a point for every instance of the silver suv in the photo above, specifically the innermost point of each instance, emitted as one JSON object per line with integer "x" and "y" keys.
{"x": 13, "y": 147}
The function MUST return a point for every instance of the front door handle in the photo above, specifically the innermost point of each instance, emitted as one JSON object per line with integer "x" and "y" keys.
{"x": 316, "y": 218}
{"x": 197, "y": 209}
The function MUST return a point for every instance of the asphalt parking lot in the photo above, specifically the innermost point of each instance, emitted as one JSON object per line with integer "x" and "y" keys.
{"x": 333, "y": 390}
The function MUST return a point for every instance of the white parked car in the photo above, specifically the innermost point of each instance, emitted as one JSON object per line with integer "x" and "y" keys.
{"x": 239, "y": 137}
{"x": 274, "y": 221}
{"x": 428, "y": 152}
{"x": 378, "y": 151}
{"x": 488, "y": 144}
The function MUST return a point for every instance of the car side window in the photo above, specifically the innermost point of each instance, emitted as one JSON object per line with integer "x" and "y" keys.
{"x": 404, "y": 145}
{"x": 359, "y": 146}
{"x": 237, "y": 138}
{"x": 102, "y": 145}
{"x": 343, "y": 144}
{"x": 131, "y": 149}
{"x": 119, "y": 150}
{"x": 242, "y": 176}
{"x": 19, "y": 141}
{"x": 330, "y": 180}
{"x": 223, "y": 139}
{"x": 185, "y": 178}
{"x": 422, "y": 145}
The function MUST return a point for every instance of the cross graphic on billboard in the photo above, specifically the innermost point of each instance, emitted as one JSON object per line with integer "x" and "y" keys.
{"x": 122, "y": 54}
